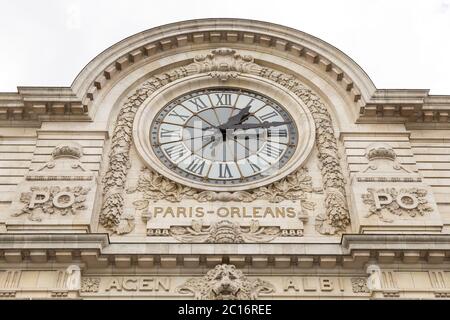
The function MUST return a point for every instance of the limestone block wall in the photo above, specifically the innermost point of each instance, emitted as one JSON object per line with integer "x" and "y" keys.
{"x": 431, "y": 149}
{"x": 17, "y": 146}
{"x": 355, "y": 145}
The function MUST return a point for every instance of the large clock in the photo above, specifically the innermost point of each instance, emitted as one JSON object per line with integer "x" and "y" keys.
{"x": 223, "y": 137}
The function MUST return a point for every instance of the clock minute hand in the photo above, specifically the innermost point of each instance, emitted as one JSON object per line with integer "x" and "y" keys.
{"x": 265, "y": 124}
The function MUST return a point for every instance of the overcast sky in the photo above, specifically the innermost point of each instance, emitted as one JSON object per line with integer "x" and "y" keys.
{"x": 399, "y": 43}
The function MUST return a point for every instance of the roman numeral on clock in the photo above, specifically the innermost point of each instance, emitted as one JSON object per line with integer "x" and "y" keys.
{"x": 181, "y": 116}
{"x": 175, "y": 152}
{"x": 199, "y": 104}
{"x": 224, "y": 171}
{"x": 224, "y": 99}
{"x": 254, "y": 166}
{"x": 196, "y": 166}
{"x": 281, "y": 133}
{"x": 269, "y": 115}
{"x": 165, "y": 133}
{"x": 271, "y": 151}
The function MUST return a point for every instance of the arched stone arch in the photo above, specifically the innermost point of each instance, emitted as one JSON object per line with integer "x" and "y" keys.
{"x": 225, "y": 63}
{"x": 259, "y": 37}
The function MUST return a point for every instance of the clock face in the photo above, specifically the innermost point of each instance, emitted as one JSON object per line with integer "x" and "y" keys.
{"x": 224, "y": 136}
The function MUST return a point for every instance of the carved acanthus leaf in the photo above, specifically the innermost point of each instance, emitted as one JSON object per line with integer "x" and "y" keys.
{"x": 224, "y": 231}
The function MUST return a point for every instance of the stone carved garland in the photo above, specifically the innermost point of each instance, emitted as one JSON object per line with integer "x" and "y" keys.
{"x": 422, "y": 207}
{"x": 57, "y": 201}
{"x": 153, "y": 187}
{"x": 225, "y": 282}
{"x": 224, "y": 231}
{"x": 225, "y": 63}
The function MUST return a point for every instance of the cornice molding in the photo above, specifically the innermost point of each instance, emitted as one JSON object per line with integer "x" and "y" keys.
{"x": 36, "y": 104}
{"x": 354, "y": 251}
{"x": 32, "y": 105}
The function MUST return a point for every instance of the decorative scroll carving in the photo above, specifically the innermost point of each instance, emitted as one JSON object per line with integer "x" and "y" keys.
{"x": 224, "y": 231}
{"x": 52, "y": 200}
{"x": 8, "y": 294}
{"x": 359, "y": 285}
{"x": 225, "y": 63}
{"x": 65, "y": 165}
{"x": 153, "y": 186}
{"x": 408, "y": 201}
{"x": 225, "y": 282}
{"x": 73, "y": 281}
{"x": 374, "y": 280}
{"x": 90, "y": 284}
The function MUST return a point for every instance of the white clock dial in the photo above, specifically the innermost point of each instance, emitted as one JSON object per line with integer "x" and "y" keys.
{"x": 224, "y": 136}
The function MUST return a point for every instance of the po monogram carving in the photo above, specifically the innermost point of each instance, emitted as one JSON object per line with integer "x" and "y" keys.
{"x": 225, "y": 63}
{"x": 225, "y": 282}
{"x": 52, "y": 200}
{"x": 410, "y": 202}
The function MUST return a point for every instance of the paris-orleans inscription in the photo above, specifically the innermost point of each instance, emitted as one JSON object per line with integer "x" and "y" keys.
{"x": 192, "y": 215}
{"x": 233, "y": 223}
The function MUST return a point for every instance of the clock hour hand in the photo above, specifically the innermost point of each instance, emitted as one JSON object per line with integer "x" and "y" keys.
{"x": 236, "y": 119}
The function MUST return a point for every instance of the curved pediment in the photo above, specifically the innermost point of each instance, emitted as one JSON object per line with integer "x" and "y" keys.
{"x": 259, "y": 36}
{"x": 176, "y": 44}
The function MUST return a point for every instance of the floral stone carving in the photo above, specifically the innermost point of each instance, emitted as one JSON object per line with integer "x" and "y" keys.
{"x": 225, "y": 282}
{"x": 153, "y": 187}
{"x": 226, "y": 63}
{"x": 410, "y": 202}
{"x": 359, "y": 285}
{"x": 90, "y": 284}
{"x": 52, "y": 200}
{"x": 224, "y": 231}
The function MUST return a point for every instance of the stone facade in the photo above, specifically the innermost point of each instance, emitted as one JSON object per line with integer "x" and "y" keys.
{"x": 361, "y": 211}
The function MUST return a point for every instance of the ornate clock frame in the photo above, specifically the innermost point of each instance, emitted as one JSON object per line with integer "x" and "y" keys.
{"x": 225, "y": 65}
